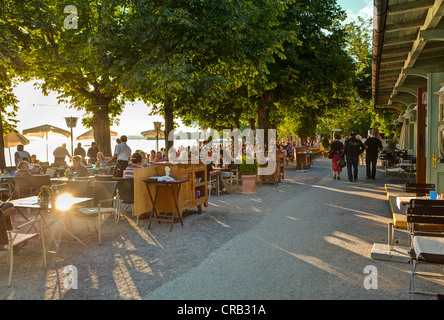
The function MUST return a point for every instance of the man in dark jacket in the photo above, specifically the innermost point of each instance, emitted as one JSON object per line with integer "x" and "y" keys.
{"x": 374, "y": 146}
{"x": 352, "y": 149}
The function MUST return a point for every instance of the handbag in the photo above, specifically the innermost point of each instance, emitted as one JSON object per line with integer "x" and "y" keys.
{"x": 330, "y": 154}
{"x": 342, "y": 163}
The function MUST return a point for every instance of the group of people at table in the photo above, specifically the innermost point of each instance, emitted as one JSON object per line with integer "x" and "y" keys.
{"x": 123, "y": 160}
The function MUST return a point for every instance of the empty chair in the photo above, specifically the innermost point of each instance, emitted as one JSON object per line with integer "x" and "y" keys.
{"x": 426, "y": 228}
{"x": 125, "y": 187}
{"x": 76, "y": 188}
{"x": 13, "y": 240}
{"x": 419, "y": 188}
{"x": 51, "y": 172}
{"x": 40, "y": 180}
{"x": 104, "y": 178}
{"x": 106, "y": 202}
{"x": 24, "y": 187}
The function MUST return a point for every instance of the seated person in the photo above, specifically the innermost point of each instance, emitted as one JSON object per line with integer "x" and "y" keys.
{"x": 78, "y": 167}
{"x": 34, "y": 162}
{"x": 214, "y": 174}
{"x": 101, "y": 160}
{"x": 152, "y": 156}
{"x": 23, "y": 169}
{"x": 159, "y": 157}
{"x": 8, "y": 210}
{"x": 135, "y": 162}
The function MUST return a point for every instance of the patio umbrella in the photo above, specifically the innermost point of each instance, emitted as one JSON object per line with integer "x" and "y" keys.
{"x": 44, "y": 131}
{"x": 153, "y": 133}
{"x": 13, "y": 139}
{"x": 90, "y": 135}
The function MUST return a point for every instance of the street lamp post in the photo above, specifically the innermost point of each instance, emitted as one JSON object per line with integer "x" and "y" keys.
{"x": 157, "y": 126}
{"x": 71, "y": 122}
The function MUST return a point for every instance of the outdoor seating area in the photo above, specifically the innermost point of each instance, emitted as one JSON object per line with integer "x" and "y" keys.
{"x": 174, "y": 150}
{"x": 417, "y": 214}
{"x": 398, "y": 166}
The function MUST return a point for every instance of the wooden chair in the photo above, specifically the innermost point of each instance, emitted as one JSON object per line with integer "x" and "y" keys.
{"x": 419, "y": 189}
{"x": 399, "y": 219}
{"x": 13, "y": 240}
{"x": 426, "y": 228}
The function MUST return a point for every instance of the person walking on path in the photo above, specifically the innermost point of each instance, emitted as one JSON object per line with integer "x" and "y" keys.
{"x": 352, "y": 149}
{"x": 373, "y": 147}
{"x": 122, "y": 154}
{"x": 361, "y": 156}
{"x": 336, "y": 148}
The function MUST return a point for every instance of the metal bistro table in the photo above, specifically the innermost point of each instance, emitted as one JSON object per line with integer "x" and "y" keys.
{"x": 169, "y": 185}
{"x": 58, "y": 214}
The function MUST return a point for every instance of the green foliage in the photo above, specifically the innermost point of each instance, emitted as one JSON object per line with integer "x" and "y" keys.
{"x": 291, "y": 65}
{"x": 325, "y": 143}
{"x": 248, "y": 166}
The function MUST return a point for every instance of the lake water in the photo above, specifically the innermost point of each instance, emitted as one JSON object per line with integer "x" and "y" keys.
{"x": 38, "y": 147}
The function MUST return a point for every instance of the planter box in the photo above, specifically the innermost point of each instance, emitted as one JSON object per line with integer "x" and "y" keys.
{"x": 248, "y": 184}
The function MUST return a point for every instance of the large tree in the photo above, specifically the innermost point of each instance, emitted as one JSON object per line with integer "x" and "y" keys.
{"x": 302, "y": 68}
{"x": 11, "y": 67}
{"x": 195, "y": 56}
{"x": 72, "y": 59}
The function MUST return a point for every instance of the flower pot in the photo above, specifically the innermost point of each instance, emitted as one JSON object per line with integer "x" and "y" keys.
{"x": 249, "y": 184}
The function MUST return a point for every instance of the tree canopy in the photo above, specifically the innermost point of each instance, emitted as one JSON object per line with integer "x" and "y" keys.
{"x": 265, "y": 63}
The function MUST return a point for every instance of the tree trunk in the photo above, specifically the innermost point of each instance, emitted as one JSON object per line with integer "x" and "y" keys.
{"x": 102, "y": 134}
{"x": 263, "y": 119}
{"x": 169, "y": 122}
{"x": 2, "y": 146}
{"x": 252, "y": 123}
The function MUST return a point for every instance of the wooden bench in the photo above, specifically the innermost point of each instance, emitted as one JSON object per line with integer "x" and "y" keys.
{"x": 426, "y": 227}
{"x": 420, "y": 189}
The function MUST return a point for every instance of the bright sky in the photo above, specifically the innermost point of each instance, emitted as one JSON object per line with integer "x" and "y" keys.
{"x": 36, "y": 109}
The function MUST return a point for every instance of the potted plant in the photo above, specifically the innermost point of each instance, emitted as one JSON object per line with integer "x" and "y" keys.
{"x": 325, "y": 144}
{"x": 248, "y": 170}
{"x": 44, "y": 194}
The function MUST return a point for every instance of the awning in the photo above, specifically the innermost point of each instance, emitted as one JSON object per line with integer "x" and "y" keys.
{"x": 408, "y": 43}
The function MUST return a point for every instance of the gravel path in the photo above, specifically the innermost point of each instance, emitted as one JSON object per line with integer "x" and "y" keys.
{"x": 308, "y": 238}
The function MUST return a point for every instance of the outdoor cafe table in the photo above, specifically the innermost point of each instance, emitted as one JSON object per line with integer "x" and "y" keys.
{"x": 64, "y": 179}
{"x": 163, "y": 185}
{"x": 59, "y": 215}
{"x": 404, "y": 201}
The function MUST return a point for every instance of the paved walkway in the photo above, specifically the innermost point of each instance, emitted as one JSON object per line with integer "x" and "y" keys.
{"x": 308, "y": 238}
